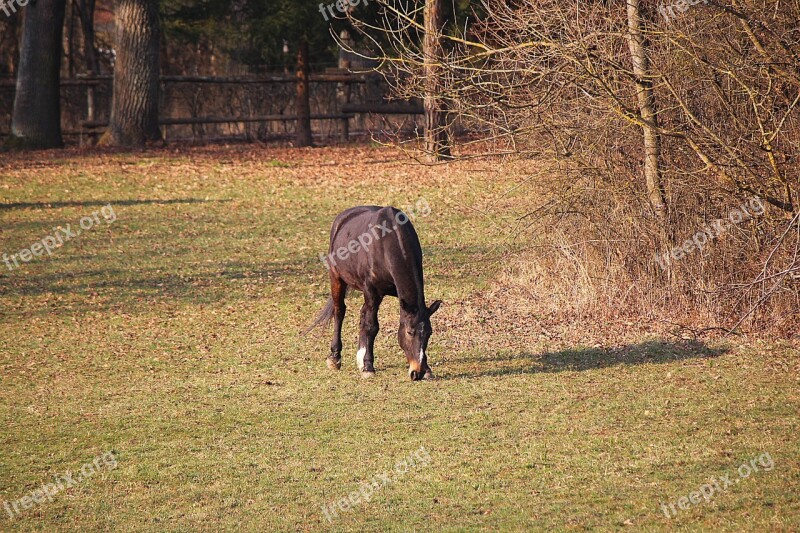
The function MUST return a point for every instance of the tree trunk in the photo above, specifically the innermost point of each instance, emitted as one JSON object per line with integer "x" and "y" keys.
{"x": 437, "y": 144}
{"x": 36, "y": 121}
{"x": 134, "y": 104}
{"x": 647, "y": 109}
{"x": 303, "y": 106}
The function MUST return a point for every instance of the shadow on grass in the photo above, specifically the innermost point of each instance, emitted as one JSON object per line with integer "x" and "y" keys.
{"x": 138, "y": 288}
{"x": 93, "y": 203}
{"x": 582, "y": 359}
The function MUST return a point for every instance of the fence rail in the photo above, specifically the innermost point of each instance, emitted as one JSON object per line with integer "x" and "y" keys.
{"x": 320, "y": 78}
{"x": 217, "y": 106}
{"x": 224, "y": 120}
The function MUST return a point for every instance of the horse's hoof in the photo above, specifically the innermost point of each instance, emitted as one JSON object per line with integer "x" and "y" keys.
{"x": 334, "y": 364}
{"x": 367, "y": 374}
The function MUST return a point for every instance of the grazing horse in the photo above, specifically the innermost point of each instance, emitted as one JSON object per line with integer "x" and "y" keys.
{"x": 376, "y": 251}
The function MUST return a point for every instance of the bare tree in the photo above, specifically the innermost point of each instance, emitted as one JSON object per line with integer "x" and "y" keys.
{"x": 647, "y": 109}
{"x": 437, "y": 143}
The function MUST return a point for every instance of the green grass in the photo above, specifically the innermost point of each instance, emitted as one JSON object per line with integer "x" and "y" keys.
{"x": 171, "y": 337}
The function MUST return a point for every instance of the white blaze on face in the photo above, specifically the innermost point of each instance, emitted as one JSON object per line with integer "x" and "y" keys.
{"x": 421, "y": 355}
{"x": 360, "y": 358}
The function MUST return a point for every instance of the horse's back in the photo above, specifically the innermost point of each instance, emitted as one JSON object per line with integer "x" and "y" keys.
{"x": 370, "y": 244}
{"x": 359, "y": 220}
{"x": 348, "y": 215}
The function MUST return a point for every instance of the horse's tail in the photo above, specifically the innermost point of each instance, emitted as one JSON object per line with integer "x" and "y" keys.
{"x": 323, "y": 318}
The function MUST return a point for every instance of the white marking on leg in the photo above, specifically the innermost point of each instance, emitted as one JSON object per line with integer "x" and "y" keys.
{"x": 360, "y": 358}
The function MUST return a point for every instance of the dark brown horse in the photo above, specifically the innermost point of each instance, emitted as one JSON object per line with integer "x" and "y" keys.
{"x": 376, "y": 251}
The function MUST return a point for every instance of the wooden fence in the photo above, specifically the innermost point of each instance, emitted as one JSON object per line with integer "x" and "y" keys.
{"x": 251, "y": 107}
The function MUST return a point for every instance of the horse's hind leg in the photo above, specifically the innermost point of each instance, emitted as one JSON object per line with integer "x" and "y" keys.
{"x": 338, "y": 289}
{"x": 369, "y": 330}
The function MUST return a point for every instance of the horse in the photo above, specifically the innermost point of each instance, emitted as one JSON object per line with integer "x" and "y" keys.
{"x": 376, "y": 250}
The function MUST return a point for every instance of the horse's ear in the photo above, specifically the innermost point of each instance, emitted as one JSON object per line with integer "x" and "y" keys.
{"x": 434, "y": 307}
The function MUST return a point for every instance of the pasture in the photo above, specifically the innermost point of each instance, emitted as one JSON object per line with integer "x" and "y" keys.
{"x": 170, "y": 337}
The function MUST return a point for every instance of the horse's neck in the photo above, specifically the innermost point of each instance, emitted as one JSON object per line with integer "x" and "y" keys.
{"x": 412, "y": 295}
{"x": 408, "y": 279}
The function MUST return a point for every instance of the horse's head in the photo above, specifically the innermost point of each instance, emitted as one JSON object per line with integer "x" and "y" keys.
{"x": 413, "y": 335}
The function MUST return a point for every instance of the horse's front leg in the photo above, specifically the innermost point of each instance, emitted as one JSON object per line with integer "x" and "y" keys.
{"x": 369, "y": 330}
{"x": 338, "y": 290}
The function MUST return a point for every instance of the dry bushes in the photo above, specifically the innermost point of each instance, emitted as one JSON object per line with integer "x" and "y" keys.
{"x": 595, "y": 256}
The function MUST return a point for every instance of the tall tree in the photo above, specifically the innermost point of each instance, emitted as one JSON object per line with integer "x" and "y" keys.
{"x": 134, "y": 105}
{"x": 36, "y": 120}
{"x": 647, "y": 109}
{"x": 437, "y": 144}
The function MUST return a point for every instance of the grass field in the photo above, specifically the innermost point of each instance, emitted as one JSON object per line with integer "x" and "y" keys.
{"x": 170, "y": 337}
